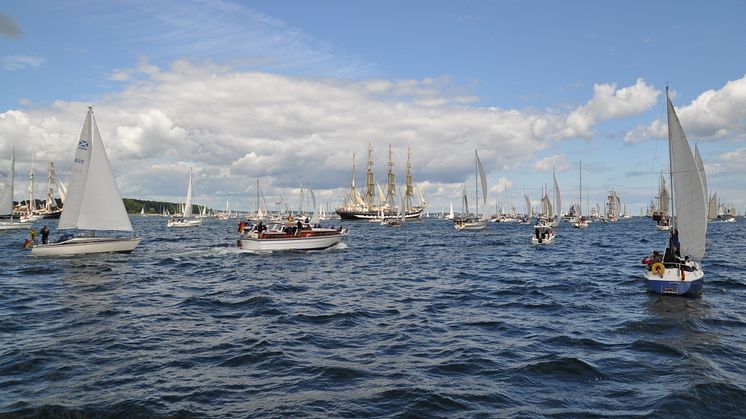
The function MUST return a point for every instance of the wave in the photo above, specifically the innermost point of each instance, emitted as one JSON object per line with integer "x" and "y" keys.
{"x": 564, "y": 368}
{"x": 712, "y": 399}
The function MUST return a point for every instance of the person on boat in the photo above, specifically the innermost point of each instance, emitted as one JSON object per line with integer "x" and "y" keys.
{"x": 44, "y": 234}
{"x": 32, "y": 236}
{"x": 241, "y": 226}
{"x": 299, "y": 226}
{"x": 689, "y": 262}
{"x": 675, "y": 245}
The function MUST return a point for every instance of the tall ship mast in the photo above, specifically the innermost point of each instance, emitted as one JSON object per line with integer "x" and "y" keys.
{"x": 371, "y": 205}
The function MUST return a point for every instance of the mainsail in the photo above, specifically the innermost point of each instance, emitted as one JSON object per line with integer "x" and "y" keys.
{"x": 665, "y": 197}
{"x": 712, "y": 212}
{"x": 701, "y": 169}
{"x": 188, "y": 203}
{"x": 557, "y": 198}
{"x": 6, "y": 200}
{"x": 483, "y": 178}
{"x": 93, "y": 201}
{"x": 688, "y": 190}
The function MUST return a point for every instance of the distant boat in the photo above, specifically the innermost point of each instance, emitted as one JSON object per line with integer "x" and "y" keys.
{"x": 450, "y": 215}
{"x": 580, "y": 221}
{"x": 186, "y": 220}
{"x": 6, "y": 199}
{"x": 142, "y": 211}
{"x": 689, "y": 216}
{"x": 360, "y": 206}
{"x": 543, "y": 234}
{"x": 92, "y": 202}
{"x": 465, "y": 222}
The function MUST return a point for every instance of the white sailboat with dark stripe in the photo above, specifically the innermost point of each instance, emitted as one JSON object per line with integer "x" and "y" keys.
{"x": 92, "y": 202}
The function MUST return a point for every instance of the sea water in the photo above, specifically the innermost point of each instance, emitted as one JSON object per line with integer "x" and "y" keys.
{"x": 420, "y": 320}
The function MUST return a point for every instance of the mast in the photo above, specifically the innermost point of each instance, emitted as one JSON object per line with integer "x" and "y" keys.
{"x": 50, "y": 179}
{"x": 476, "y": 183}
{"x": 353, "y": 192}
{"x": 580, "y": 191}
{"x": 31, "y": 205}
{"x": 391, "y": 183}
{"x": 371, "y": 192}
{"x": 670, "y": 167}
{"x": 409, "y": 182}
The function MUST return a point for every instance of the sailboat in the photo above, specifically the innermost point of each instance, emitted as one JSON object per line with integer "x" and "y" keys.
{"x": 6, "y": 199}
{"x": 186, "y": 220}
{"x": 450, "y": 215}
{"x": 557, "y": 201}
{"x": 580, "y": 222}
{"x": 529, "y": 212}
{"x": 689, "y": 217}
{"x": 464, "y": 222}
{"x": 92, "y": 202}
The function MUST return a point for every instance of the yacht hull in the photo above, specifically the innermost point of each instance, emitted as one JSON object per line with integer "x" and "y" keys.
{"x": 671, "y": 283}
{"x": 299, "y": 243}
{"x": 86, "y": 245}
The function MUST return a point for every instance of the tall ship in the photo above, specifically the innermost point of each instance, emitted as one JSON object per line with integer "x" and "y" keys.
{"x": 373, "y": 203}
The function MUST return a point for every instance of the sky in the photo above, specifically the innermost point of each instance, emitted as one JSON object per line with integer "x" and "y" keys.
{"x": 287, "y": 92}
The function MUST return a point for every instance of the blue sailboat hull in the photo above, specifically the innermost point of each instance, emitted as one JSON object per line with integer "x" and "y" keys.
{"x": 675, "y": 287}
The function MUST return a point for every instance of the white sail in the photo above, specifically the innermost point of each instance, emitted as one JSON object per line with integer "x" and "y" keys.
{"x": 315, "y": 217}
{"x": 529, "y": 214}
{"x": 6, "y": 200}
{"x": 450, "y": 213}
{"x": 665, "y": 197}
{"x": 712, "y": 212}
{"x": 62, "y": 189}
{"x": 557, "y": 197}
{"x": 688, "y": 190}
{"x": 483, "y": 178}
{"x": 701, "y": 169}
{"x": 92, "y": 200}
{"x": 617, "y": 204}
{"x": 188, "y": 202}
{"x": 381, "y": 195}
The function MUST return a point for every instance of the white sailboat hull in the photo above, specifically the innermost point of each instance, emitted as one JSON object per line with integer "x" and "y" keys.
{"x": 299, "y": 243}
{"x": 184, "y": 223}
{"x": 14, "y": 226}
{"x": 470, "y": 225}
{"x": 85, "y": 245}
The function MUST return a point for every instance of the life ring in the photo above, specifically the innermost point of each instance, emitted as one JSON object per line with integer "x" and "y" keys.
{"x": 658, "y": 268}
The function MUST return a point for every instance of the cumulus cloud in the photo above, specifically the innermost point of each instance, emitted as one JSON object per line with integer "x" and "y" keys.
{"x": 713, "y": 115}
{"x": 608, "y": 103}
{"x": 20, "y": 62}
{"x": 236, "y": 126}
{"x": 556, "y": 161}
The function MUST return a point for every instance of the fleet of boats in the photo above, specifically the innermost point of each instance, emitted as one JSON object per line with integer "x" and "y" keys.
{"x": 682, "y": 207}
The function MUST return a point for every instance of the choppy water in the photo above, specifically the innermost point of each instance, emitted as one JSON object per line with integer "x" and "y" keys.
{"x": 417, "y": 321}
